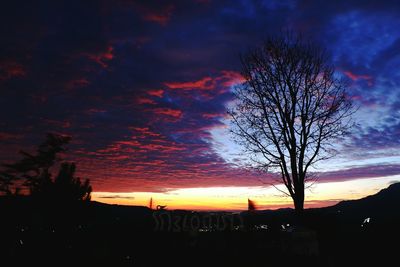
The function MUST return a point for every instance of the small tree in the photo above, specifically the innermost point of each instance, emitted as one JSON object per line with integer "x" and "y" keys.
{"x": 6, "y": 183}
{"x": 35, "y": 172}
{"x": 68, "y": 187}
{"x": 289, "y": 110}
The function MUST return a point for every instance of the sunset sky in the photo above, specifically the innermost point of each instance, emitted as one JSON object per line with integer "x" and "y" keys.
{"x": 143, "y": 88}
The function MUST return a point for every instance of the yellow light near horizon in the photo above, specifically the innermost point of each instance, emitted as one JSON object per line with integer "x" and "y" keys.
{"x": 235, "y": 198}
{"x": 204, "y": 198}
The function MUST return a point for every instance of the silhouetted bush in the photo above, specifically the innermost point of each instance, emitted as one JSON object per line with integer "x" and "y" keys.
{"x": 6, "y": 183}
{"x": 34, "y": 173}
{"x": 68, "y": 187}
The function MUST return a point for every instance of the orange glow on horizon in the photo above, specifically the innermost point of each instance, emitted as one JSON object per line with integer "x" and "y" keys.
{"x": 235, "y": 198}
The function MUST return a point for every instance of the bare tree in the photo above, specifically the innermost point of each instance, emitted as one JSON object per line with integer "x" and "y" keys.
{"x": 289, "y": 110}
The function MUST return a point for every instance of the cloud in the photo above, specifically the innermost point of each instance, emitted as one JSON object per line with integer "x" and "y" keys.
{"x": 144, "y": 100}
{"x": 169, "y": 112}
{"x": 211, "y": 115}
{"x": 9, "y": 70}
{"x": 378, "y": 138}
{"x": 103, "y": 57}
{"x": 157, "y": 93}
{"x": 116, "y": 197}
{"x": 205, "y": 83}
{"x": 226, "y": 79}
{"x": 77, "y": 83}
{"x": 161, "y": 17}
{"x": 360, "y": 172}
{"x": 356, "y": 77}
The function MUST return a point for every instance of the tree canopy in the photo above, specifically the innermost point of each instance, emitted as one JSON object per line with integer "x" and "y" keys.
{"x": 289, "y": 110}
{"x": 35, "y": 172}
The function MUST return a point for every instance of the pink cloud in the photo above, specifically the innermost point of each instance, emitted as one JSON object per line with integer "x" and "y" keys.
{"x": 206, "y": 83}
{"x": 144, "y": 131}
{"x": 211, "y": 115}
{"x": 355, "y": 77}
{"x": 160, "y": 17}
{"x": 225, "y": 80}
{"x": 156, "y": 93}
{"x": 95, "y": 110}
{"x": 102, "y": 57}
{"x": 144, "y": 100}
{"x": 231, "y": 78}
{"x": 161, "y": 148}
{"x": 169, "y": 112}
{"x": 360, "y": 172}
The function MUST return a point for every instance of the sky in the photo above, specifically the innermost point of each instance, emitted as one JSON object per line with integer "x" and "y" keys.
{"x": 143, "y": 88}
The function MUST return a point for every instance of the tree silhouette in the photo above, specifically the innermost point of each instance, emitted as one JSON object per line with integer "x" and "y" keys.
{"x": 34, "y": 171}
{"x": 68, "y": 187}
{"x": 6, "y": 183}
{"x": 289, "y": 110}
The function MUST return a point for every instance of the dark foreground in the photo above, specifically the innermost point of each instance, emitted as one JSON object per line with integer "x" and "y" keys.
{"x": 93, "y": 234}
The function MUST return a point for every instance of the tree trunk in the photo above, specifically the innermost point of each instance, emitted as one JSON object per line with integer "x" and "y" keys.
{"x": 299, "y": 202}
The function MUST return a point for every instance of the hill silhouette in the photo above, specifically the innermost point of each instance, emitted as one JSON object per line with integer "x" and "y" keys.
{"x": 388, "y": 197}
